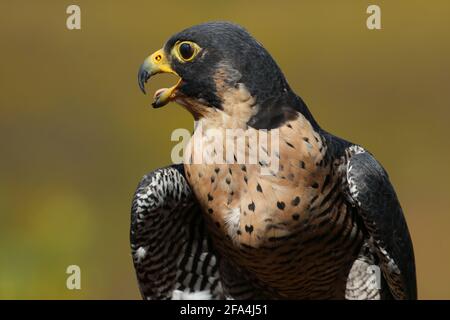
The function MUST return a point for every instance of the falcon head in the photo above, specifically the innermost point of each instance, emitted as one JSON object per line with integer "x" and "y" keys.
{"x": 220, "y": 65}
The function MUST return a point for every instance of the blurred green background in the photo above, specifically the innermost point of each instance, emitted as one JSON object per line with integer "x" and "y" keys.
{"x": 76, "y": 134}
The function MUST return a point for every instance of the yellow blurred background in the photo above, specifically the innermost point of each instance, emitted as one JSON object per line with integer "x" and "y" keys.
{"x": 76, "y": 134}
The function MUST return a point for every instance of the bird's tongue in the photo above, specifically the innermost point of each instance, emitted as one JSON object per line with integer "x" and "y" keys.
{"x": 162, "y": 97}
{"x": 159, "y": 92}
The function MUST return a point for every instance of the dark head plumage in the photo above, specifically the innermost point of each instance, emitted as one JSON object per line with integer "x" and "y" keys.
{"x": 228, "y": 49}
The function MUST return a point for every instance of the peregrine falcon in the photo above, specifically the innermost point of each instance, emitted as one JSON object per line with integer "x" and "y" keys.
{"x": 325, "y": 223}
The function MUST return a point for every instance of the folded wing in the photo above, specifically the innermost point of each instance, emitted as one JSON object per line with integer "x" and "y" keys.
{"x": 172, "y": 254}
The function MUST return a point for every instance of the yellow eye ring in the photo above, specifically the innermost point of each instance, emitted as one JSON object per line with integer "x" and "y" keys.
{"x": 186, "y": 50}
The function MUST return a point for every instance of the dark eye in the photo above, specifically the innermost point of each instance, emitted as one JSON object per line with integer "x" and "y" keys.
{"x": 186, "y": 51}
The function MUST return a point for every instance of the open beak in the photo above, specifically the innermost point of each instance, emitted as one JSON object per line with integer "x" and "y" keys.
{"x": 154, "y": 64}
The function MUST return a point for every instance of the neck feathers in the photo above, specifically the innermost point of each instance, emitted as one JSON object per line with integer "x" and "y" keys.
{"x": 276, "y": 111}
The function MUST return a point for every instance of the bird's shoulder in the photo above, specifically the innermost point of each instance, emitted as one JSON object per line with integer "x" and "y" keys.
{"x": 368, "y": 188}
{"x": 172, "y": 253}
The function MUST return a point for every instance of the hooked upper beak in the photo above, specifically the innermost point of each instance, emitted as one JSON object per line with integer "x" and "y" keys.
{"x": 154, "y": 64}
